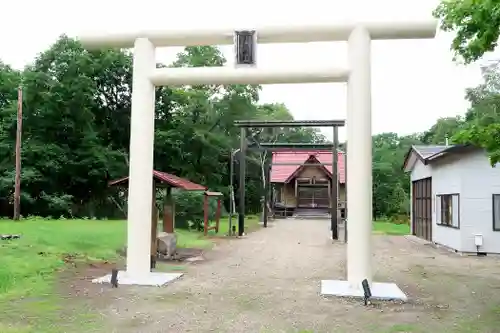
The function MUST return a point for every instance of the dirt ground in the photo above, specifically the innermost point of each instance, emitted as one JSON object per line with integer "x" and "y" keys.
{"x": 270, "y": 282}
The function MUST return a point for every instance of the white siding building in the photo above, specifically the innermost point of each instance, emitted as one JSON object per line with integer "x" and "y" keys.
{"x": 455, "y": 197}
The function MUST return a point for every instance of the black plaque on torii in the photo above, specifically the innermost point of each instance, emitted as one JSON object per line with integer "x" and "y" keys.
{"x": 245, "y": 44}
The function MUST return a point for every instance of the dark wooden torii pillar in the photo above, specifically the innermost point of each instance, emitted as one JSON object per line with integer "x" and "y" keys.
{"x": 241, "y": 201}
{"x": 267, "y": 170}
{"x": 334, "y": 202}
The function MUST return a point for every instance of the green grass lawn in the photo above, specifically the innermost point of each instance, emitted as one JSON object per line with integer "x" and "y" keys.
{"x": 392, "y": 229}
{"x": 196, "y": 239}
{"x": 29, "y": 265}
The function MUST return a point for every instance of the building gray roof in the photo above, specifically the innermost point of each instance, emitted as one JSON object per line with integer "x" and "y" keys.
{"x": 430, "y": 153}
{"x": 427, "y": 151}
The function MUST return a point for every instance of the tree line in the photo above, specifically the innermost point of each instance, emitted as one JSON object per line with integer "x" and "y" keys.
{"x": 76, "y": 128}
{"x": 480, "y": 125}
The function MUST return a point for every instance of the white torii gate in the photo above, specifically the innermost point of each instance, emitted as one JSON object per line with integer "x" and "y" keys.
{"x": 359, "y": 132}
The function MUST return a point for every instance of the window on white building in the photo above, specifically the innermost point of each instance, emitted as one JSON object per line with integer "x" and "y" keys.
{"x": 448, "y": 210}
{"x": 496, "y": 212}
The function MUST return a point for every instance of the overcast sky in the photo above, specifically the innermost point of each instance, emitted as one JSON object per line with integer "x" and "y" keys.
{"x": 414, "y": 82}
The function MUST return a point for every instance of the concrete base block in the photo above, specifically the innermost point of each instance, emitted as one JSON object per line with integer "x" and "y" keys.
{"x": 156, "y": 279}
{"x": 380, "y": 291}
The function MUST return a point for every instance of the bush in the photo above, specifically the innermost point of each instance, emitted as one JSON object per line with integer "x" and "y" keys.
{"x": 400, "y": 219}
{"x": 189, "y": 209}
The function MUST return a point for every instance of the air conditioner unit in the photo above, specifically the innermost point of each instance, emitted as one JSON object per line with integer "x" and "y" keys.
{"x": 478, "y": 240}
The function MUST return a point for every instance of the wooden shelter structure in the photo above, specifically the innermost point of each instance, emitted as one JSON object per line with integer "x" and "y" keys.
{"x": 168, "y": 181}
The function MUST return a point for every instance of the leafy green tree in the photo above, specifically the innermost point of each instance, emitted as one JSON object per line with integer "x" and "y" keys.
{"x": 476, "y": 24}
{"x": 9, "y": 82}
{"x": 77, "y": 128}
{"x": 391, "y": 185}
{"x": 477, "y": 29}
{"x": 443, "y": 129}
{"x": 482, "y": 127}
{"x": 62, "y": 141}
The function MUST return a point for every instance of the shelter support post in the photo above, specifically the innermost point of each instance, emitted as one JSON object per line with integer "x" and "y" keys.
{"x": 205, "y": 214}
{"x": 241, "y": 201}
{"x": 169, "y": 213}
{"x": 217, "y": 216}
{"x": 335, "y": 186}
{"x": 141, "y": 160}
{"x": 154, "y": 227}
{"x": 359, "y": 155}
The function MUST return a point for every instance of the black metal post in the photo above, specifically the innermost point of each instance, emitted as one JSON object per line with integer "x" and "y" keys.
{"x": 335, "y": 184}
{"x": 267, "y": 169}
{"x": 114, "y": 278}
{"x": 241, "y": 215}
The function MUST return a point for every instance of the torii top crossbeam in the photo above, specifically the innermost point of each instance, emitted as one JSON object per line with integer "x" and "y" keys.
{"x": 289, "y": 123}
{"x": 270, "y": 34}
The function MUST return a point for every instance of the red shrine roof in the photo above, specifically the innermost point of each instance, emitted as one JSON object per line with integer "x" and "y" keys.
{"x": 282, "y": 173}
{"x": 170, "y": 179}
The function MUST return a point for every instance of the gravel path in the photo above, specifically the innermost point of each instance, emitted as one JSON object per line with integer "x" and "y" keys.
{"x": 270, "y": 282}
{"x": 267, "y": 282}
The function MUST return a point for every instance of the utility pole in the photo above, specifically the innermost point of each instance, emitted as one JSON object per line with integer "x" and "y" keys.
{"x": 17, "y": 186}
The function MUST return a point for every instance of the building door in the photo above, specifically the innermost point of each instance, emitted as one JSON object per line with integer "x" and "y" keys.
{"x": 422, "y": 208}
{"x": 313, "y": 196}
